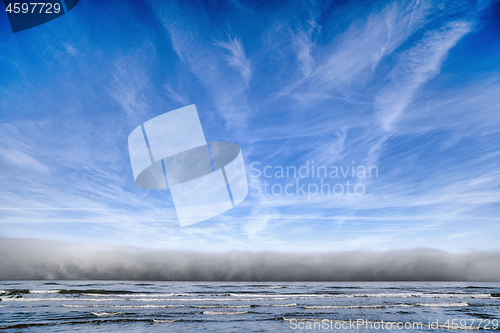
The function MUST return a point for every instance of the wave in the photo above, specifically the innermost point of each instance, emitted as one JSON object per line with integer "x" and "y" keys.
{"x": 15, "y": 291}
{"x": 83, "y": 321}
{"x": 20, "y": 326}
{"x": 282, "y": 305}
{"x": 221, "y": 306}
{"x": 36, "y": 299}
{"x": 278, "y": 295}
{"x": 454, "y": 295}
{"x": 146, "y": 306}
{"x": 417, "y": 295}
{"x": 381, "y": 306}
{"x": 268, "y": 286}
{"x": 444, "y": 305}
{"x": 211, "y": 299}
{"x": 162, "y": 321}
{"x": 106, "y": 314}
{"x": 114, "y": 299}
{"x": 414, "y": 295}
{"x": 226, "y": 313}
{"x": 95, "y": 291}
{"x": 310, "y": 307}
{"x": 81, "y": 306}
{"x": 133, "y": 296}
{"x": 52, "y": 291}
{"x": 31, "y": 299}
{"x": 436, "y": 305}
{"x": 380, "y": 295}
{"x": 66, "y": 291}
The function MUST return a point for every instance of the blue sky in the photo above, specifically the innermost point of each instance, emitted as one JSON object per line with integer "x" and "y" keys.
{"x": 411, "y": 87}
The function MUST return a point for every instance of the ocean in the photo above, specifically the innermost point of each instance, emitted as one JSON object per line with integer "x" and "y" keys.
{"x": 131, "y": 306}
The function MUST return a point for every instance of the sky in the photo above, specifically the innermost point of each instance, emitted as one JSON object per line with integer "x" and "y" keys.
{"x": 408, "y": 90}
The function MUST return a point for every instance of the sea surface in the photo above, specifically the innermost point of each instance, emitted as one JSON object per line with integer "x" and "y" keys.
{"x": 118, "y": 306}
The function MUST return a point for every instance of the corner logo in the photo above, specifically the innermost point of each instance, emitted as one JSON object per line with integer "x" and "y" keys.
{"x": 28, "y": 14}
{"x": 205, "y": 180}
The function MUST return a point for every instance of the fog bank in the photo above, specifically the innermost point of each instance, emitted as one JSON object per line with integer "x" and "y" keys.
{"x": 26, "y": 259}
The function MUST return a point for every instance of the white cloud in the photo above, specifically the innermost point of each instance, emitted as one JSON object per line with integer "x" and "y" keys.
{"x": 177, "y": 96}
{"x": 414, "y": 68}
{"x": 127, "y": 90}
{"x": 258, "y": 221}
{"x": 304, "y": 47}
{"x": 237, "y": 58}
{"x": 358, "y": 51}
{"x": 23, "y": 161}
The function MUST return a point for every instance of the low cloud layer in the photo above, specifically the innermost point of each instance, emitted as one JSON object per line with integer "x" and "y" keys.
{"x": 38, "y": 259}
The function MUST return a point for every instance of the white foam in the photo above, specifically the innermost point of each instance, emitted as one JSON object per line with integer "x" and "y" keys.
{"x": 279, "y": 295}
{"x": 206, "y": 299}
{"x": 44, "y": 291}
{"x": 455, "y": 295}
{"x": 345, "y": 307}
{"x": 378, "y": 295}
{"x": 220, "y": 306}
{"x": 131, "y": 295}
{"x": 416, "y": 295}
{"x": 103, "y": 299}
{"x": 106, "y": 314}
{"x": 146, "y": 306}
{"x": 162, "y": 321}
{"x": 31, "y": 299}
{"x": 80, "y": 306}
{"x": 445, "y": 305}
{"x": 226, "y": 313}
{"x": 388, "y": 295}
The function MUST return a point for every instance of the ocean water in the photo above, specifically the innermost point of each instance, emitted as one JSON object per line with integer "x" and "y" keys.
{"x": 117, "y": 306}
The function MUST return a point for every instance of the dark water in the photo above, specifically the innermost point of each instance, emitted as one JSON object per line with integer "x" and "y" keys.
{"x": 112, "y": 306}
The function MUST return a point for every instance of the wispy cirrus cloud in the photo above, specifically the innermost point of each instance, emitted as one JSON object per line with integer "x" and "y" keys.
{"x": 214, "y": 69}
{"x": 23, "y": 161}
{"x": 177, "y": 96}
{"x": 237, "y": 58}
{"x": 304, "y": 47}
{"x": 354, "y": 55}
{"x": 414, "y": 68}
